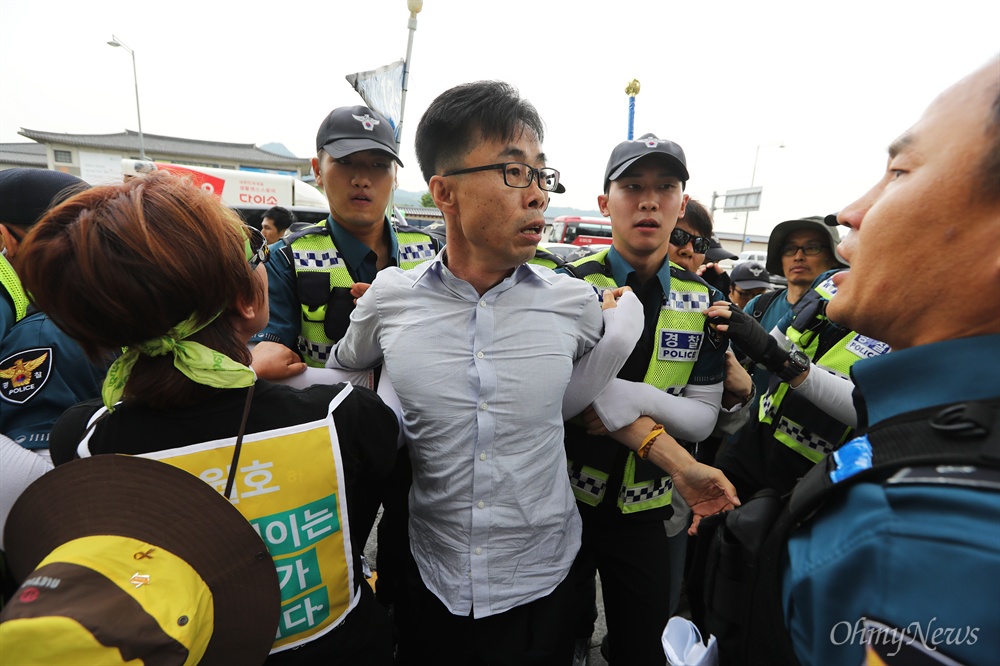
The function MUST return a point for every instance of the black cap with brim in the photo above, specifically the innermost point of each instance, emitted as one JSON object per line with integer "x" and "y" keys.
{"x": 352, "y": 129}
{"x": 345, "y": 147}
{"x": 718, "y": 253}
{"x": 25, "y": 194}
{"x": 785, "y": 229}
{"x": 628, "y": 153}
{"x": 750, "y": 275}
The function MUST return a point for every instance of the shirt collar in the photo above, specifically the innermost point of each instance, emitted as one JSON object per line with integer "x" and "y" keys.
{"x": 941, "y": 373}
{"x": 354, "y": 251}
{"x": 621, "y": 269}
{"x": 438, "y": 267}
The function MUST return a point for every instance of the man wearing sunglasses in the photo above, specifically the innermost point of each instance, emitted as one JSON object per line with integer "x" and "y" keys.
{"x": 674, "y": 374}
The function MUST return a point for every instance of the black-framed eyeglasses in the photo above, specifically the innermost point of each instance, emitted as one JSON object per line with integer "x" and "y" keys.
{"x": 517, "y": 174}
{"x": 699, "y": 244}
{"x": 258, "y": 251}
{"x": 809, "y": 249}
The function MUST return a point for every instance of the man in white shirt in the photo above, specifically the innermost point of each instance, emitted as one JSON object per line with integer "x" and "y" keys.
{"x": 494, "y": 529}
{"x": 481, "y": 347}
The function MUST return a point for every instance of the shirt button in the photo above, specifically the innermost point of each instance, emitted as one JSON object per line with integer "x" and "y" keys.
{"x": 480, "y": 355}
{"x": 482, "y": 304}
{"x": 481, "y": 504}
{"x": 482, "y": 456}
{"x": 483, "y": 406}
{"x": 479, "y": 551}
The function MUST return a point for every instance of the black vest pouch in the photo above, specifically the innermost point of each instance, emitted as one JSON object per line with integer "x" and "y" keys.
{"x": 338, "y": 313}
{"x": 647, "y": 471}
{"x": 592, "y": 450}
{"x": 314, "y": 292}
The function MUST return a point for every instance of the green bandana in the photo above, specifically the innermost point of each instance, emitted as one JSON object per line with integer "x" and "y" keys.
{"x": 198, "y": 363}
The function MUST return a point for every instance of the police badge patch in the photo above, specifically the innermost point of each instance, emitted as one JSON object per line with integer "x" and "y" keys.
{"x": 678, "y": 345}
{"x": 23, "y": 374}
{"x": 864, "y": 347}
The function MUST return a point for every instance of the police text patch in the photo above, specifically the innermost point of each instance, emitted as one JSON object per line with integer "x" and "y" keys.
{"x": 864, "y": 347}
{"x": 24, "y": 373}
{"x": 679, "y": 345}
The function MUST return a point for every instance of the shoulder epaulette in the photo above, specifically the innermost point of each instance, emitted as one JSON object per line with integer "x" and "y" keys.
{"x": 590, "y": 265}
{"x": 318, "y": 228}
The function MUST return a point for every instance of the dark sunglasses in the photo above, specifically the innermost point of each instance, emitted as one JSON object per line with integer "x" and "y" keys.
{"x": 699, "y": 244}
{"x": 259, "y": 252}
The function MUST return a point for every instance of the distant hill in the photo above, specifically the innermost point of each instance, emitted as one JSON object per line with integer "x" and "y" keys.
{"x": 278, "y": 149}
{"x": 405, "y": 198}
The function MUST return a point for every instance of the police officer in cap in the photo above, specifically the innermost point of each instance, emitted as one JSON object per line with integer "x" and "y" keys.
{"x": 317, "y": 272}
{"x": 42, "y": 370}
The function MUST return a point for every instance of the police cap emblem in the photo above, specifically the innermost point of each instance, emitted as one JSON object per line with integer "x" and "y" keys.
{"x": 367, "y": 121}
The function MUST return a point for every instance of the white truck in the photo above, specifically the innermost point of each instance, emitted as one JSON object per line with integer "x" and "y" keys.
{"x": 250, "y": 193}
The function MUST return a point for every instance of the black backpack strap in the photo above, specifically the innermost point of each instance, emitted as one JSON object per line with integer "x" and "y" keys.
{"x": 764, "y": 302}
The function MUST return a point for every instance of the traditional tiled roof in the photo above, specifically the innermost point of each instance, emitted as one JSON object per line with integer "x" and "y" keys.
{"x": 421, "y": 212}
{"x": 23, "y": 154}
{"x": 155, "y": 144}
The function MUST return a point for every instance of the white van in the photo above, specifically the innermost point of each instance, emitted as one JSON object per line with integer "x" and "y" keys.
{"x": 752, "y": 255}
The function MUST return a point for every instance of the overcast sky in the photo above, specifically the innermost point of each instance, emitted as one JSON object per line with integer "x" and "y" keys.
{"x": 834, "y": 82}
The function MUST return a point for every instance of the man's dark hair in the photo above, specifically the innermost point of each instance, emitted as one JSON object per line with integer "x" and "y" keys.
{"x": 484, "y": 110}
{"x": 697, "y": 216}
{"x": 282, "y": 217}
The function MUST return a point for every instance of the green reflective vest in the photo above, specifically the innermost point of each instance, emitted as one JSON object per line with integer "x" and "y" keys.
{"x": 324, "y": 284}
{"x": 545, "y": 258}
{"x": 12, "y": 285}
{"x": 680, "y": 333}
{"x": 793, "y": 420}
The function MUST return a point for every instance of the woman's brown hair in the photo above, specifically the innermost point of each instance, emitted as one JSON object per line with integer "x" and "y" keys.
{"x": 121, "y": 264}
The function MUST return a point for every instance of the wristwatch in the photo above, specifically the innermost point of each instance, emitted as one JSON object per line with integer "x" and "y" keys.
{"x": 796, "y": 365}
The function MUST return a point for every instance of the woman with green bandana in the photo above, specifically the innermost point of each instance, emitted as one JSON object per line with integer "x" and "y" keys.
{"x": 161, "y": 271}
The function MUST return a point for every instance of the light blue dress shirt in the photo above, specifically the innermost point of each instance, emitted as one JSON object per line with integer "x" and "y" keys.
{"x": 493, "y": 522}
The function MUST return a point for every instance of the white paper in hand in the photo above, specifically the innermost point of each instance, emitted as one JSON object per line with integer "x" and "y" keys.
{"x": 683, "y": 646}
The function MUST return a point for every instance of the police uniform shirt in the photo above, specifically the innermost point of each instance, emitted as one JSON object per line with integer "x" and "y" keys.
{"x": 43, "y": 372}
{"x": 919, "y": 557}
{"x": 285, "y": 310}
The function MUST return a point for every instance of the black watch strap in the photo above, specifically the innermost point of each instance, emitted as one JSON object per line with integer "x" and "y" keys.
{"x": 797, "y": 364}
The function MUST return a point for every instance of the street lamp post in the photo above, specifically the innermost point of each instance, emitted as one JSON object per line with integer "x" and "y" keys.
{"x": 414, "y": 6}
{"x": 753, "y": 177}
{"x": 135, "y": 77}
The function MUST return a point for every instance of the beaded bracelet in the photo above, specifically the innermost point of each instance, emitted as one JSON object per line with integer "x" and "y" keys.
{"x": 647, "y": 443}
